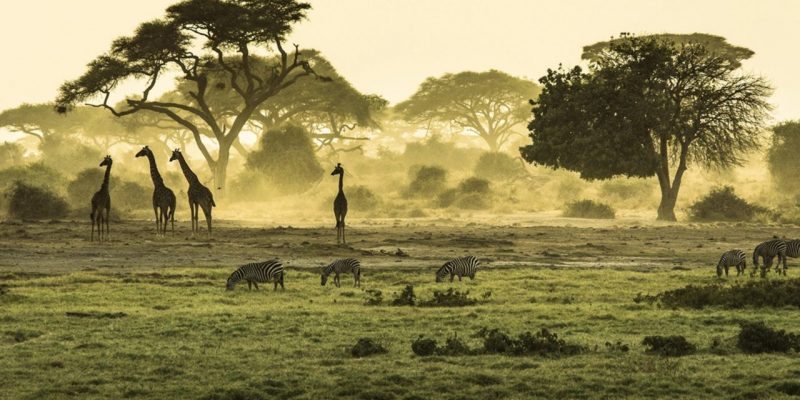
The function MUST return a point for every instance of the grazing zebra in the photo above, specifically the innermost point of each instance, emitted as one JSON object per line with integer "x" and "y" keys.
{"x": 793, "y": 248}
{"x": 768, "y": 250}
{"x": 346, "y": 265}
{"x": 462, "y": 266}
{"x": 732, "y": 258}
{"x": 255, "y": 273}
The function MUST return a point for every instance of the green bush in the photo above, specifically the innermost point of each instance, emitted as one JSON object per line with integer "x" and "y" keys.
{"x": 498, "y": 167}
{"x": 36, "y": 174}
{"x": 588, "y": 209}
{"x": 722, "y": 204}
{"x": 374, "y": 297}
{"x": 31, "y": 202}
{"x": 406, "y": 297}
{"x": 367, "y": 347}
{"x": 669, "y": 346}
{"x": 761, "y": 293}
{"x": 424, "y": 347}
{"x": 426, "y": 181}
{"x": 449, "y": 298}
{"x": 428, "y": 347}
{"x": 470, "y": 194}
{"x": 132, "y": 196}
{"x": 286, "y": 159}
{"x": 542, "y": 343}
{"x": 81, "y": 189}
{"x": 756, "y": 338}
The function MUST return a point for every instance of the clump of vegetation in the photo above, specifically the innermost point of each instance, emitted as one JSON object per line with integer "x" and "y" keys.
{"x": 617, "y": 347}
{"x": 31, "y": 202}
{"x": 669, "y": 346}
{"x": 722, "y": 204}
{"x": 23, "y": 336}
{"x": 286, "y": 159}
{"x": 361, "y": 198}
{"x": 498, "y": 167}
{"x": 131, "y": 196}
{"x": 449, "y": 298}
{"x": 470, "y": 194}
{"x": 11, "y": 154}
{"x": 762, "y": 293}
{"x": 542, "y": 343}
{"x": 757, "y": 337}
{"x": 589, "y": 209}
{"x": 85, "y": 184}
{"x": 454, "y": 346}
{"x": 374, "y": 297}
{"x": 426, "y": 181}
{"x": 406, "y": 297}
{"x": 367, "y": 347}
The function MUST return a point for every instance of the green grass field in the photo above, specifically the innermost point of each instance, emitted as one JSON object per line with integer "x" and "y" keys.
{"x": 172, "y": 331}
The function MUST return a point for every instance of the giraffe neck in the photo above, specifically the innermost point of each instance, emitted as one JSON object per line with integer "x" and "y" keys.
{"x": 106, "y": 178}
{"x": 157, "y": 180}
{"x": 341, "y": 181}
{"x": 187, "y": 172}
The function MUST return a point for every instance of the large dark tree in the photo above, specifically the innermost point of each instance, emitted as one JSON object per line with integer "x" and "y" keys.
{"x": 197, "y": 39}
{"x": 782, "y": 157}
{"x": 645, "y": 106}
{"x": 489, "y": 104}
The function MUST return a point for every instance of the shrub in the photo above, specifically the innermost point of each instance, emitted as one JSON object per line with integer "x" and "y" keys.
{"x": 498, "y": 167}
{"x": 30, "y": 202}
{"x": 449, "y": 298}
{"x": 542, "y": 343}
{"x": 366, "y": 347}
{"x": 756, "y": 337}
{"x": 131, "y": 196}
{"x": 722, "y": 204}
{"x": 12, "y": 154}
{"x": 589, "y": 209}
{"x": 424, "y": 347}
{"x": 762, "y": 293}
{"x": 286, "y": 159}
{"x": 470, "y": 194}
{"x": 36, "y": 174}
{"x": 669, "y": 346}
{"x": 361, "y": 198}
{"x": 406, "y": 297}
{"x": 427, "y": 181}
{"x": 69, "y": 155}
{"x": 374, "y": 297}
{"x": 81, "y": 189}
{"x": 453, "y": 347}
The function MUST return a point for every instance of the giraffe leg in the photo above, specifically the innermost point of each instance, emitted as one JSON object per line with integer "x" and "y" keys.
{"x": 207, "y": 213}
{"x": 108, "y": 219}
{"x": 197, "y": 218}
{"x": 344, "y": 238}
{"x": 93, "y": 223}
{"x": 158, "y": 221}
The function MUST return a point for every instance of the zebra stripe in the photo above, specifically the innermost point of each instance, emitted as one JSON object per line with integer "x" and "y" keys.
{"x": 255, "y": 273}
{"x": 345, "y": 265}
{"x": 462, "y": 266}
{"x": 768, "y": 250}
{"x": 793, "y": 248}
{"x": 733, "y": 258}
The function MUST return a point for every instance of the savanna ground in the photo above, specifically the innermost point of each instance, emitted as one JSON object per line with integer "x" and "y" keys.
{"x": 154, "y": 321}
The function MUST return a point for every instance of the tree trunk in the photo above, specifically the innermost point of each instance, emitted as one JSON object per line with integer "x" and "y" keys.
{"x": 221, "y": 167}
{"x": 666, "y": 209}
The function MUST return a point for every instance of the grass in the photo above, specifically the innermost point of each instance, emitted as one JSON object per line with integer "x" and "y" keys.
{"x": 253, "y": 343}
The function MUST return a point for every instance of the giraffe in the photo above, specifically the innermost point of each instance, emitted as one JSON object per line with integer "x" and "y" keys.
{"x": 101, "y": 201}
{"x": 199, "y": 195}
{"x": 163, "y": 197}
{"x": 340, "y": 206}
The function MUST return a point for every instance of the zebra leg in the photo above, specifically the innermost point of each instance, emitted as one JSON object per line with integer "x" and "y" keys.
{"x": 249, "y": 285}
{"x": 726, "y": 270}
{"x": 282, "y": 288}
{"x": 336, "y": 280}
{"x": 459, "y": 278}
{"x": 451, "y": 277}
{"x": 255, "y": 284}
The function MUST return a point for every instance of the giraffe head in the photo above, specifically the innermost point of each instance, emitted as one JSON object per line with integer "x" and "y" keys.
{"x": 176, "y": 154}
{"x": 144, "y": 151}
{"x": 338, "y": 170}
{"x": 106, "y": 161}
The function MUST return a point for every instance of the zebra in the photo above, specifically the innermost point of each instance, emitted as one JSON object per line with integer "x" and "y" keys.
{"x": 768, "y": 250}
{"x": 732, "y": 258}
{"x": 266, "y": 271}
{"x": 462, "y": 266}
{"x": 344, "y": 265}
{"x": 793, "y": 248}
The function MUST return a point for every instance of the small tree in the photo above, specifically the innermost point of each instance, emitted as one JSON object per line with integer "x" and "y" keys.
{"x": 646, "y": 104}
{"x": 286, "y": 159}
{"x": 782, "y": 157}
{"x": 11, "y": 154}
{"x": 489, "y": 104}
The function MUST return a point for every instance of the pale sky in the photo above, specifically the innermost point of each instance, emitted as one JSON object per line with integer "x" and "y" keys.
{"x": 389, "y": 46}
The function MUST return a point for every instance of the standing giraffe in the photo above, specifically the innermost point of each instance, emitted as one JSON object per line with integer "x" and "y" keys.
{"x": 163, "y": 197}
{"x": 199, "y": 195}
{"x": 101, "y": 201}
{"x": 340, "y": 205}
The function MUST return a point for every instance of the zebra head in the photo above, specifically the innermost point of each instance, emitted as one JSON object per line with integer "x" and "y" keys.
{"x": 230, "y": 284}
{"x": 441, "y": 273}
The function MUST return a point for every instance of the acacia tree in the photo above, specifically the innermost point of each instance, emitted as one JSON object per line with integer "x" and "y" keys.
{"x": 645, "y": 105}
{"x": 489, "y": 104}
{"x": 196, "y": 39}
{"x": 39, "y": 121}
